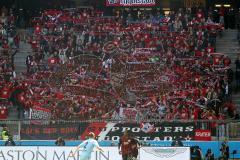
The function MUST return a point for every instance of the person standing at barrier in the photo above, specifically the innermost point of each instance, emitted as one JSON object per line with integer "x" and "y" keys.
{"x": 88, "y": 146}
{"x": 225, "y": 151}
{"x": 10, "y": 142}
{"x": 5, "y": 134}
{"x": 209, "y": 155}
{"x": 196, "y": 153}
{"x": 177, "y": 143}
{"x": 60, "y": 142}
{"x": 124, "y": 146}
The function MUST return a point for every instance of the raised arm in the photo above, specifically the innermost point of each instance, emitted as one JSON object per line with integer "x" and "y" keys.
{"x": 97, "y": 146}
{"x": 79, "y": 146}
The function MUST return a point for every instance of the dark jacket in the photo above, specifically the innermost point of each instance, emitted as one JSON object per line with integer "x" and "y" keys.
{"x": 10, "y": 142}
{"x": 60, "y": 142}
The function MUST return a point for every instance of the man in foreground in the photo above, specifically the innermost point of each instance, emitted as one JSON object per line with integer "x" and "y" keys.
{"x": 88, "y": 146}
{"x": 124, "y": 146}
{"x": 134, "y": 147}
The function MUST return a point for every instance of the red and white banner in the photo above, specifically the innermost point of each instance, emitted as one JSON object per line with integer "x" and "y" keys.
{"x": 166, "y": 131}
{"x": 203, "y": 135}
{"x": 40, "y": 113}
{"x": 147, "y": 127}
{"x": 130, "y": 3}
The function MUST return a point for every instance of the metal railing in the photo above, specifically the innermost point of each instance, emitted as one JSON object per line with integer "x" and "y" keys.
{"x": 51, "y": 129}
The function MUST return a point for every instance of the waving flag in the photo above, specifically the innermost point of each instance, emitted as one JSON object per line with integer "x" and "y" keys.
{"x": 147, "y": 127}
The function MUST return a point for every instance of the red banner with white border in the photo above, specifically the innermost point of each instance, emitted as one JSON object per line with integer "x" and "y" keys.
{"x": 203, "y": 135}
{"x": 40, "y": 113}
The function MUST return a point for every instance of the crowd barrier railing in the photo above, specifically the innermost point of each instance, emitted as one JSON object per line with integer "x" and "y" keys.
{"x": 112, "y": 129}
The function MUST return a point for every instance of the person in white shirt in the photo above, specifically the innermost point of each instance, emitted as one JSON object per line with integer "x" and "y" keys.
{"x": 88, "y": 146}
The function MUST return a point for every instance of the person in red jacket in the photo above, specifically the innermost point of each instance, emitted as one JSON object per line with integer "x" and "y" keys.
{"x": 124, "y": 146}
{"x": 199, "y": 15}
{"x": 38, "y": 29}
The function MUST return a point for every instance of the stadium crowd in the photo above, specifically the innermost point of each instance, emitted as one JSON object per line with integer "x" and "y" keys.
{"x": 9, "y": 43}
{"x": 85, "y": 65}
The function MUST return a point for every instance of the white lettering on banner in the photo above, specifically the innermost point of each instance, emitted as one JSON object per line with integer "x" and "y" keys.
{"x": 203, "y": 134}
{"x": 136, "y": 129}
{"x": 125, "y": 129}
{"x": 39, "y": 113}
{"x": 167, "y": 129}
{"x": 189, "y": 129}
{"x": 115, "y": 138}
{"x": 115, "y": 129}
{"x": 164, "y": 138}
{"x": 156, "y": 129}
{"x": 178, "y": 129}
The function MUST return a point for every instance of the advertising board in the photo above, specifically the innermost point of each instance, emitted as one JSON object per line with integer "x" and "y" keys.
{"x": 110, "y": 153}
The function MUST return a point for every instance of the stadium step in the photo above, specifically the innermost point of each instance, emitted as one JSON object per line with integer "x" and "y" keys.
{"x": 20, "y": 58}
{"x": 13, "y": 113}
{"x": 20, "y": 66}
{"x": 229, "y": 45}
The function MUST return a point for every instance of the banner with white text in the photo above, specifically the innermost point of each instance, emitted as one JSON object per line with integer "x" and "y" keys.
{"x": 110, "y": 131}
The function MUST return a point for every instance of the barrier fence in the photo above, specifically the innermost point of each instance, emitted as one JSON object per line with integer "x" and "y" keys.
{"x": 109, "y": 153}
{"x": 112, "y": 130}
{"x": 215, "y": 146}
